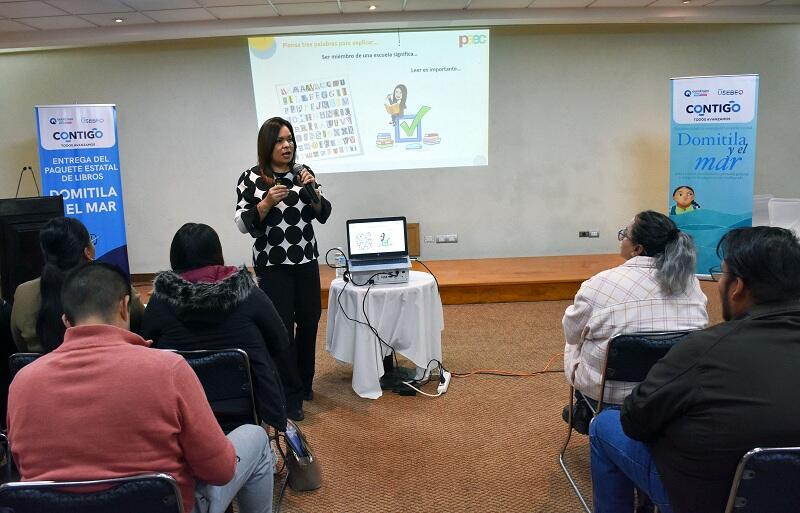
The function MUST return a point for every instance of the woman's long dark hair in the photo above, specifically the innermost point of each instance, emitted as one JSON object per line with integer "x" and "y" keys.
{"x": 404, "y": 90}
{"x": 673, "y": 250}
{"x": 195, "y": 245}
{"x": 63, "y": 241}
{"x": 267, "y": 138}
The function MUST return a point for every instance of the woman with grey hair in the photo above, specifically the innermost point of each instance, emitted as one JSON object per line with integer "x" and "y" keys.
{"x": 655, "y": 289}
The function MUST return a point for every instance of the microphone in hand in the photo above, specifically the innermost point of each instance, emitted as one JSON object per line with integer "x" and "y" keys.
{"x": 309, "y": 187}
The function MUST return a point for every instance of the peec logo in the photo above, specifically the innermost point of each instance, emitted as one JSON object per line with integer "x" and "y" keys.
{"x": 53, "y": 121}
{"x": 477, "y": 39}
{"x": 687, "y": 93}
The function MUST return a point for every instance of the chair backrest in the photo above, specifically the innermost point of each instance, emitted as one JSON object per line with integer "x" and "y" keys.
{"x": 19, "y": 360}
{"x": 5, "y": 447}
{"x": 630, "y": 356}
{"x": 766, "y": 480}
{"x": 225, "y": 376}
{"x": 153, "y": 493}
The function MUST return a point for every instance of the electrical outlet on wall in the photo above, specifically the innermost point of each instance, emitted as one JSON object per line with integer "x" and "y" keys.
{"x": 592, "y": 234}
{"x": 429, "y": 239}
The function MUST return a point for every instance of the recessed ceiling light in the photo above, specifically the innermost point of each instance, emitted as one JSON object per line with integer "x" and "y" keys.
{"x": 686, "y": 2}
{"x": 118, "y": 20}
{"x": 372, "y": 7}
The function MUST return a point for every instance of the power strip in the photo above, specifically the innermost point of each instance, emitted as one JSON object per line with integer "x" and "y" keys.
{"x": 444, "y": 381}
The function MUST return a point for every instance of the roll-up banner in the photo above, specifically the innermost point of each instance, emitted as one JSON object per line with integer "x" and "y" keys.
{"x": 79, "y": 159}
{"x": 712, "y": 158}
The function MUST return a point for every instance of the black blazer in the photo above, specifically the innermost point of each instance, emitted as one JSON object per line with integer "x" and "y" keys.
{"x": 717, "y": 394}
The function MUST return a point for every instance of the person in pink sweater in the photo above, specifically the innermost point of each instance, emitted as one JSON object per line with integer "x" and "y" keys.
{"x": 104, "y": 405}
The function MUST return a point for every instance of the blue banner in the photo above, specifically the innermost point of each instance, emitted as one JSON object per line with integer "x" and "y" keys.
{"x": 712, "y": 158}
{"x": 79, "y": 159}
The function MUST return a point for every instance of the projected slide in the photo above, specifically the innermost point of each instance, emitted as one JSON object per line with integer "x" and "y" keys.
{"x": 389, "y": 100}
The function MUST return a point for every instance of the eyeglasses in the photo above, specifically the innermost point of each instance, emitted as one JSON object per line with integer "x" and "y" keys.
{"x": 716, "y": 273}
{"x": 622, "y": 234}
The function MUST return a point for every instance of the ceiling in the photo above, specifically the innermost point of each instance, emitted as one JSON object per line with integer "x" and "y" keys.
{"x": 31, "y": 24}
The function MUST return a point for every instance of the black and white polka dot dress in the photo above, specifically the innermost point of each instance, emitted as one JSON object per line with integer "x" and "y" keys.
{"x": 285, "y": 235}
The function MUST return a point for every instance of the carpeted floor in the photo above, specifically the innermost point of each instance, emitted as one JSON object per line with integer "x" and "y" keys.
{"x": 490, "y": 444}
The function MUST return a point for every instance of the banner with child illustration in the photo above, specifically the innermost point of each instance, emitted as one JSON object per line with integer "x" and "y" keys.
{"x": 712, "y": 158}
{"x": 79, "y": 159}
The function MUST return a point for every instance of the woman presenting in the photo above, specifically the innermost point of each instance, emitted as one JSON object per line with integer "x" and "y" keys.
{"x": 277, "y": 200}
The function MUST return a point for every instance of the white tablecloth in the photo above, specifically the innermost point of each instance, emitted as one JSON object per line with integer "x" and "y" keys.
{"x": 408, "y": 317}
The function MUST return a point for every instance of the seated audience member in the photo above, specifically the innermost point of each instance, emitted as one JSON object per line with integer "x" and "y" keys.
{"x": 654, "y": 290}
{"x": 202, "y": 304}
{"x": 36, "y": 317}
{"x": 104, "y": 405}
{"x": 717, "y": 394}
{"x": 6, "y": 349}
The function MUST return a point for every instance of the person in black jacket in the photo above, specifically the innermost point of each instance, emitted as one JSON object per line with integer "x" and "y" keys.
{"x": 717, "y": 394}
{"x": 203, "y": 304}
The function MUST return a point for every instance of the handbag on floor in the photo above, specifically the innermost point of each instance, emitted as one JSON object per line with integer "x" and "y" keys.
{"x": 303, "y": 466}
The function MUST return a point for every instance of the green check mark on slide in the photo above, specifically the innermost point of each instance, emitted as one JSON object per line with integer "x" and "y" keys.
{"x": 409, "y": 130}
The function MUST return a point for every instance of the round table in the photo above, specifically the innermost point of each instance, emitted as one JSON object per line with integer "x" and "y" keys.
{"x": 408, "y": 317}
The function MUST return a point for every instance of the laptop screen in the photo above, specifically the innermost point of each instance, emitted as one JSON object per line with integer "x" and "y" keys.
{"x": 379, "y": 237}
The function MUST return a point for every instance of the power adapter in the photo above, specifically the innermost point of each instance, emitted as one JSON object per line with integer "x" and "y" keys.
{"x": 444, "y": 381}
{"x": 406, "y": 391}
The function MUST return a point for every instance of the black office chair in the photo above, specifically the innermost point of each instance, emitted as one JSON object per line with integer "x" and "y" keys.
{"x": 225, "y": 376}
{"x": 7, "y": 348}
{"x": 629, "y": 357}
{"x": 8, "y": 464}
{"x": 151, "y": 493}
{"x": 19, "y": 360}
{"x": 766, "y": 481}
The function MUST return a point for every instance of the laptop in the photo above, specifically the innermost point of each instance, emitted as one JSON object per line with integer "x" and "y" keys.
{"x": 378, "y": 244}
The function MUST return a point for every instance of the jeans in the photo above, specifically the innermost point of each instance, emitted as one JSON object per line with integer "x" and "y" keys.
{"x": 252, "y": 482}
{"x": 620, "y": 464}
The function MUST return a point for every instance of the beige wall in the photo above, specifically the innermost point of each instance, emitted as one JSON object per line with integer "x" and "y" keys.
{"x": 579, "y": 135}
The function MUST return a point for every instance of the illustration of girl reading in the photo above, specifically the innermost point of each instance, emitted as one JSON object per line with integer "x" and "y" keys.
{"x": 397, "y": 103}
{"x": 684, "y": 200}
